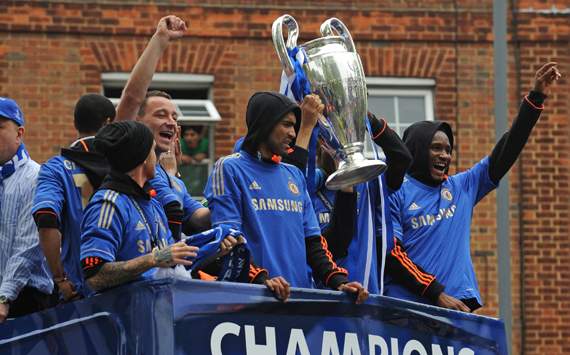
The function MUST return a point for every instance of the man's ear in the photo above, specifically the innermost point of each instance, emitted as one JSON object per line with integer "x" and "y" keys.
{"x": 21, "y": 131}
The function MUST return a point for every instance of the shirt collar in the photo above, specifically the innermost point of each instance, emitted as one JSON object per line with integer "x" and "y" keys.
{"x": 10, "y": 167}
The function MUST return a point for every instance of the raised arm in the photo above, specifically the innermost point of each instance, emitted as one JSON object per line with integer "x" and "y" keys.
{"x": 509, "y": 147}
{"x": 397, "y": 155}
{"x": 168, "y": 28}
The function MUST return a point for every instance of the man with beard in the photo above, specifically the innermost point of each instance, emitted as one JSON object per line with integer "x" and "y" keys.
{"x": 432, "y": 211}
{"x": 65, "y": 184}
{"x": 268, "y": 201}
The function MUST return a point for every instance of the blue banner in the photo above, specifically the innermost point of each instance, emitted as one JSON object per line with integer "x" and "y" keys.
{"x": 197, "y": 317}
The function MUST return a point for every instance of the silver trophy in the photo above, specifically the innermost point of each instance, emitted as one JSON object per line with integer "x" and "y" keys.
{"x": 335, "y": 73}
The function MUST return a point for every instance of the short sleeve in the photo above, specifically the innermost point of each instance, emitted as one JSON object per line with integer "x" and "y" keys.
{"x": 102, "y": 228}
{"x": 224, "y": 196}
{"x": 190, "y": 206}
{"x": 161, "y": 185}
{"x": 50, "y": 190}
{"x": 395, "y": 201}
{"x": 477, "y": 180}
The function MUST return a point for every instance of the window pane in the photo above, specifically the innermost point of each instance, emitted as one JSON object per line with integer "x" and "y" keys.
{"x": 382, "y": 106}
{"x": 411, "y": 109}
{"x": 194, "y": 111}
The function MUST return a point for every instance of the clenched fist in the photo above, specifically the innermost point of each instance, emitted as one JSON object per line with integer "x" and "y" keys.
{"x": 170, "y": 27}
{"x": 311, "y": 109}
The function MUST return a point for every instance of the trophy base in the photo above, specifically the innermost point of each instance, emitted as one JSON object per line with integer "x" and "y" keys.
{"x": 355, "y": 173}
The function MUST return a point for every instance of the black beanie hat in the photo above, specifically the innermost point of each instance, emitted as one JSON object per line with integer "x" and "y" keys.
{"x": 91, "y": 112}
{"x": 418, "y": 138}
{"x": 264, "y": 111}
{"x": 125, "y": 144}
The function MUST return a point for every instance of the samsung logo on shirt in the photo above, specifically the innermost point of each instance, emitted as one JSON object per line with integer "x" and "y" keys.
{"x": 430, "y": 219}
{"x": 277, "y": 204}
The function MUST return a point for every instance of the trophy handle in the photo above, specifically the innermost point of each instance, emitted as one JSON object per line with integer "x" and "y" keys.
{"x": 335, "y": 24}
{"x": 279, "y": 40}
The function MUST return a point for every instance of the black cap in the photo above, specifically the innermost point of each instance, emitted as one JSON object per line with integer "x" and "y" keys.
{"x": 125, "y": 144}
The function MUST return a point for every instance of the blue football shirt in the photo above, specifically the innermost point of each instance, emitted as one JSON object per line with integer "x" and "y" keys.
{"x": 270, "y": 204}
{"x": 64, "y": 188}
{"x": 119, "y": 227}
{"x": 434, "y": 223}
{"x": 179, "y": 190}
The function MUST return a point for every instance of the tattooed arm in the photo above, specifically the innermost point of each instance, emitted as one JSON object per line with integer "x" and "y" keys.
{"x": 101, "y": 275}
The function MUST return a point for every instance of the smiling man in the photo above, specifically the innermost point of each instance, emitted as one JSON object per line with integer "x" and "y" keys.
{"x": 157, "y": 111}
{"x": 432, "y": 211}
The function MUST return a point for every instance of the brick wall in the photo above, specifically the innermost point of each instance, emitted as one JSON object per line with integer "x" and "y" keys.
{"x": 51, "y": 52}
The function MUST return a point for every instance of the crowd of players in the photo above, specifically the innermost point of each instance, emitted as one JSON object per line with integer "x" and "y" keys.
{"x": 108, "y": 210}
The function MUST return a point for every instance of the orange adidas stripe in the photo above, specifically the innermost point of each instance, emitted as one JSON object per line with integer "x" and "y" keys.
{"x": 84, "y": 145}
{"x": 409, "y": 265}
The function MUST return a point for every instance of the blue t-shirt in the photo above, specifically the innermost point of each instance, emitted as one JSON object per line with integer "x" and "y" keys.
{"x": 119, "y": 227}
{"x": 64, "y": 188}
{"x": 434, "y": 223}
{"x": 270, "y": 204}
{"x": 169, "y": 188}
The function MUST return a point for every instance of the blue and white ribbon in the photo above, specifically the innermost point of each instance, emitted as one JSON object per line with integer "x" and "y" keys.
{"x": 383, "y": 192}
{"x": 296, "y": 87}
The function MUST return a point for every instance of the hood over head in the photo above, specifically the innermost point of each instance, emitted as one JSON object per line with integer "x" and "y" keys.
{"x": 418, "y": 138}
{"x": 264, "y": 111}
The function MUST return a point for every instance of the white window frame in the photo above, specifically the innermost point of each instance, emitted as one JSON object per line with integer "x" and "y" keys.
{"x": 389, "y": 86}
{"x": 178, "y": 81}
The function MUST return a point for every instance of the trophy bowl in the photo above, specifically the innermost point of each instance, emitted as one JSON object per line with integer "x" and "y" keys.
{"x": 335, "y": 73}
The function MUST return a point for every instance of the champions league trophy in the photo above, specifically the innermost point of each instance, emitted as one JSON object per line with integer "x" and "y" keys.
{"x": 335, "y": 73}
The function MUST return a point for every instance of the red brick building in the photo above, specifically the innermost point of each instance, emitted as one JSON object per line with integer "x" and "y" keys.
{"x": 51, "y": 52}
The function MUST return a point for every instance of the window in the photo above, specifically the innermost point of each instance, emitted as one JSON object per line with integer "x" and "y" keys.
{"x": 197, "y": 116}
{"x": 401, "y": 101}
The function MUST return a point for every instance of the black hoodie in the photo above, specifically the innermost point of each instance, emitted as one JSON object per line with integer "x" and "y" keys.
{"x": 418, "y": 138}
{"x": 264, "y": 111}
{"x": 83, "y": 153}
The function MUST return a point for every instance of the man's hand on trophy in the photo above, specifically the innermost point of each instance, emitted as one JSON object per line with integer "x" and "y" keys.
{"x": 171, "y": 27}
{"x": 545, "y": 76}
{"x": 311, "y": 109}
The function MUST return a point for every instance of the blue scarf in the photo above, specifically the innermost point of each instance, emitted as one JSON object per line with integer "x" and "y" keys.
{"x": 10, "y": 167}
{"x": 235, "y": 265}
